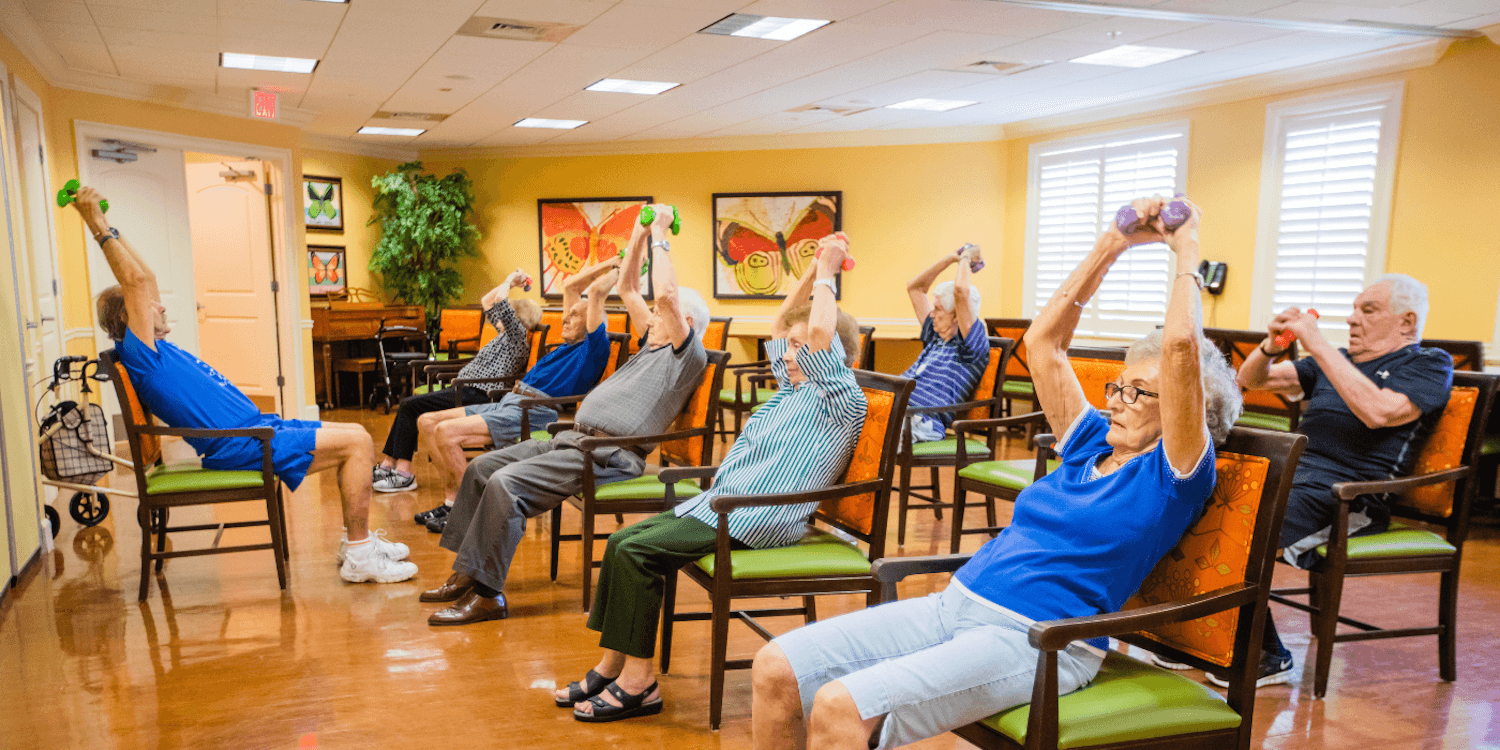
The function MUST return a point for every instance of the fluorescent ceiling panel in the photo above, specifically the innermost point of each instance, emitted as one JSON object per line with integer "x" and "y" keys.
{"x": 774, "y": 28}
{"x": 930, "y": 105}
{"x": 541, "y": 122}
{"x": 1134, "y": 56}
{"x": 409, "y": 132}
{"x": 265, "y": 62}
{"x": 624, "y": 86}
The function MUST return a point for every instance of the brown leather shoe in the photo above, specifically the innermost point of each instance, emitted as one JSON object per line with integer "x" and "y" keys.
{"x": 471, "y": 608}
{"x": 457, "y": 585}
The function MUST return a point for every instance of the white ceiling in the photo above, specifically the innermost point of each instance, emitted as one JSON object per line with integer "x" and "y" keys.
{"x": 403, "y": 55}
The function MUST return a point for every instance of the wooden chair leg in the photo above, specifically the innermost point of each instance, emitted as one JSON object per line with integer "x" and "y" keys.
{"x": 960, "y": 503}
{"x": 273, "y": 515}
{"x": 810, "y": 604}
{"x": 937, "y": 493}
{"x": 286, "y": 543}
{"x": 161, "y": 536}
{"x": 1325, "y": 627}
{"x": 143, "y": 517}
{"x": 556, "y": 537}
{"x": 1448, "y": 619}
{"x": 903, "y": 505}
{"x": 587, "y": 554}
{"x": 989, "y": 513}
{"x": 719, "y": 653}
{"x": 668, "y": 618}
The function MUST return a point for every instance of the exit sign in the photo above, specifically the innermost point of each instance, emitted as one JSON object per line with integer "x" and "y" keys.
{"x": 263, "y": 104}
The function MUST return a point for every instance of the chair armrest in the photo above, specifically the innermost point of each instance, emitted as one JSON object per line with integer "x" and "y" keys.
{"x": 557, "y": 427}
{"x": 676, "y": 474}
{"x": 727, "y": 503}
{"x": 743, "y": 365}
{"x": 961, "y": 406}
{"x": 590, "y": 443}
{"x": 1053, "y": 635}
{"x": 415, "y": 358}
{"x": 975, "y": 425}
{"x": 259, "y": 433}
{"x": 527, "y": 403}
{"x": 894, "y": 569}
{"x": 1346, "y": 491}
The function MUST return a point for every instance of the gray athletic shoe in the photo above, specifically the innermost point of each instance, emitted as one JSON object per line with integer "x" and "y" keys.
{"x": 396, "y": 482}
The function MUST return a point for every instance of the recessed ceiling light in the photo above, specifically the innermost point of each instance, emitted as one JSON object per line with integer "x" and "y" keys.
{"x": 542, "y": 122}
{"x": 1133, "y": 56}
{"x": 763, "y": 27}
{"x": 264, "y": 62}
{"x": 931, "y": 105}
{"x": 409, "y": 132}
{"x": 623, "y": 86}
{"x": 332, "y": 1}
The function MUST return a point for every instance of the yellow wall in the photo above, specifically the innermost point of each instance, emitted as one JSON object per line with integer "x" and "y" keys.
{"x": 357, "y": 239}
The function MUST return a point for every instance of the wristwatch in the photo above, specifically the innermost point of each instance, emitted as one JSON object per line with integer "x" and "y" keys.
{"x": 825, "y": 282}
{"x": 106, "y": 236}
{"x": 665, "y": 246}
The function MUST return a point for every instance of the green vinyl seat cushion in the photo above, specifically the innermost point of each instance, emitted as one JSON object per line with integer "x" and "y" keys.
{"x": 1015, "y": 474}
{"x": 643, "y": 488}
{"x": 948, "y": 446}
{"x": 762, "y": 395}
{"x": 1399, "y": 541}
{"x": 1490, "y": 446}
{"x": 1127, "y": 701}
{"x": 1018, "y": 389}
{"x": 541, "y": 435}
{"x": 817, "y": 554}
{"x": 190, "y": 477}
{"x": 1265, "y": 421}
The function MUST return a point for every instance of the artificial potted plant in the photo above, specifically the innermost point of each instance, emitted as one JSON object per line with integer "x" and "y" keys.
{"x": 424, "y": 233}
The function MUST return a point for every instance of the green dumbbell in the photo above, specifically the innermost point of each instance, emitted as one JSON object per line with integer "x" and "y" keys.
{"x": 648, "y": 215}
{"x": 69, "y": 193}
{"x": 645, "y": 264}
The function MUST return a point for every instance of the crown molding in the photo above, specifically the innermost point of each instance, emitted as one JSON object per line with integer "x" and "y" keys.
{"x": 1382, "y": 62}
{"x": 1493, "y": 32}
{"x": 320, "y": 142}
{"x": 782, "y": 142}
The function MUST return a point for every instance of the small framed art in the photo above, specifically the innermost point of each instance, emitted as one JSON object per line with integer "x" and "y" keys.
{"x": 323, "y": 202}
{"x": 326, "y": 272}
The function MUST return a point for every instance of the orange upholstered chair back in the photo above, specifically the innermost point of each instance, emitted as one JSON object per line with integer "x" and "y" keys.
{"x": 1444, "y": 450}
{"x": 699, "y": 411}
{"x": 459, "y": 325}
{"x": 537, "y": 339}
{"x": 619, "y": 344}
{"x": 717, "y": 334}
{"x": 873, "y": 459}
{"x": 1013, "y": 329}
{"x": 1094, "y": 368}
{"x": 1213, "y": 554}
{"x": 990, "y": 383}
{"x": 137, "y": 415}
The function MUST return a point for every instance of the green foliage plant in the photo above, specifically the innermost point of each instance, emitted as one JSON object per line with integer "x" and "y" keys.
{"x": 424, "y": 233}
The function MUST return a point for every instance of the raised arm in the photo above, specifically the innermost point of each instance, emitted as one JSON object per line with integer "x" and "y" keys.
{"x": 961, "y": 308}
{"x": 823, "y": 319}
{"x": 598, "y": 291}
{"x": 1051, "y": 332}
{"x": 1183, "y": 424}
{"x": 664, "y": 279}
{"x": 137, "y": 281}
{"x": 501, "y": 316}
{"x": 1260, "y": 371}
{"x": 574, "y": 287}
{"x": 796, "y": 296}
{"x": 1375, "y": 406}
{"x": 918, "y": 287}
{"x": 630, "y": 279}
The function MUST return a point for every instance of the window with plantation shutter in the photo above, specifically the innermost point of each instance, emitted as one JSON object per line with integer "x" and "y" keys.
{"x": 1325, "y": 203}
{"x": 1077, "y": 185}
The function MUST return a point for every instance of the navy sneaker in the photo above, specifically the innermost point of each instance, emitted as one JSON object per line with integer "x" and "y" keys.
{"x": 1274, "y": 670}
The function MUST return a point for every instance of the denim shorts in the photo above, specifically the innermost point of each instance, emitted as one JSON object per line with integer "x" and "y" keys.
{"x": 930, "y": 665}
{"x": 503, "y": 418}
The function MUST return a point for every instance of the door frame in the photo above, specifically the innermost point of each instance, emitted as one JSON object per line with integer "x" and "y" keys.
{"x": 19, "y": 90}
{"x": 287, "y": 266}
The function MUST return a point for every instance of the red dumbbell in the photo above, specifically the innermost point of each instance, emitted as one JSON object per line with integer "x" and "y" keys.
{"x": 1285, "y": 338}
{"x": 848, "y": 259}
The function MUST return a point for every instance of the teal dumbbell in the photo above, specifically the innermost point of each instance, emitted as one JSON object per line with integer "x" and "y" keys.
{"x": 648, "y": 215}
{"x": 69, "y": 193}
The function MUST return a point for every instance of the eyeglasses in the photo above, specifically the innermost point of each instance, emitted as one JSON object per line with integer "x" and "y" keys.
{"x": 1128, "y": 393}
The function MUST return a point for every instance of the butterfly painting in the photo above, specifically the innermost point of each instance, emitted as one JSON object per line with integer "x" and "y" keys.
{"x": 326, "y": 272}
{"x": 323, "y": 202}
{"x": 577, "y": 232}
{"x": 763, "y": 242}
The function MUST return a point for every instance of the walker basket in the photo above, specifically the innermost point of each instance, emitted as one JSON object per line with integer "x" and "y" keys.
{"x": 65, "y": 452}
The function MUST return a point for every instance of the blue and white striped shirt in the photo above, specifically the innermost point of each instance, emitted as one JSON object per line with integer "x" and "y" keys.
{"x": 947, "y": 370}
{"x": 799, "y": 441}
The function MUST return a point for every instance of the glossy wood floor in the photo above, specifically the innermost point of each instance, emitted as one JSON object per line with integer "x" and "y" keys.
{"x": 218, "y": 657}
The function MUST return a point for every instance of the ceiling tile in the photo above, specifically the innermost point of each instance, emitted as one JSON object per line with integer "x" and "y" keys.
{"x": 1473, "y": 7}
{"x": 589, "y": 105}
{"x": 722, "y": 7}
{"x": 1347, "y": 11}
{"x": 512, "y": 136}
{"x": 143, "y": 62}
{"x": 640, "y": 28}
{"x": 929, "y": 84}
{"x": 1216, "y": 36}
{"x": 74, "y": 33}
{"x": 310, "y": 15}
{"x": 695, "y": 56}
{"x": 572, "y": 12}
{"x": 866, "y": 120}
{"x": 110, "y": 16}
{"x": 91, "y": 58}
{"x": 482, "y": 62}
{"x": 827, "y": 10}
{"x": 1120, "y": 30}
{"x": 278, "y": 39}
{"x": 187, "y": 7}
{"x": 1221, "y": 7}
{"x": 160, "y": 40}
{"x": 970, "y": 16}
{"x": 58, "y": 12}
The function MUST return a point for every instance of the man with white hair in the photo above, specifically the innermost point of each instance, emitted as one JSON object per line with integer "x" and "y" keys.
{"x": 1367, "y": 410}
{"x": 956, "y": 348}
{"x": 503, "y": 488}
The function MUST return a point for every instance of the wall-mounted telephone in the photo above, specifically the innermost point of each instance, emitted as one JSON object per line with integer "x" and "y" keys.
{"x": 1213, "y": 276}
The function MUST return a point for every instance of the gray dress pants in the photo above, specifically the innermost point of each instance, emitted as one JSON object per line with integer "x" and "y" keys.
{"x": 503, "y": 488}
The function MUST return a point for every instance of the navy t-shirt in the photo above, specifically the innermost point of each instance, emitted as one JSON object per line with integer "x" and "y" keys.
{"x": 1342, "y": 448}
{"x": 571, "y": 369}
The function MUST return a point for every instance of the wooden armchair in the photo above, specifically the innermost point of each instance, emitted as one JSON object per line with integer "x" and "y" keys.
{"x": 1440, "y": 491}
{"x": 459, "y": 331}
{"x": 1203, "y": 605}
{"x": 163, "y": 487}
{"x": 1263, "y": 409}
{"x": 1017, "y": 372}
{"x": 819, "y": 564}
{"x": 439, "y": 373}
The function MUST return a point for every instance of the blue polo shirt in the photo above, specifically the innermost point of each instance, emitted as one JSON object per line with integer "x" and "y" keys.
{"x": 571, "y": 369}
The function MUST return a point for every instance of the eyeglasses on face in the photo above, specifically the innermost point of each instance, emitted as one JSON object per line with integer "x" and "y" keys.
{"x": 1128, "y": 393}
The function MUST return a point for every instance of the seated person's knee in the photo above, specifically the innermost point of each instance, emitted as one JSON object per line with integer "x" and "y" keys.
{"x": 771, "y": 670}
{"x": 833, "y": 700}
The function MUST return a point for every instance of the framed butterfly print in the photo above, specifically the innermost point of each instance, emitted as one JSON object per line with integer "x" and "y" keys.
{"x": 764, "y": 241}
{"x": 326, "y": 272}
{"x": 323, "y": 202}
{"x": 578, "y": 232}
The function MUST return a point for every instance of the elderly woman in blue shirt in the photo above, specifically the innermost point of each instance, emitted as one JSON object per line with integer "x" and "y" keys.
{"x": 799, "y": 441}
{"x": 1133, "y": 479}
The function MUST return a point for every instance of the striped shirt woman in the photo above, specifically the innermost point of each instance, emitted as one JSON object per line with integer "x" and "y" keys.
{"x": 799, "y": 441}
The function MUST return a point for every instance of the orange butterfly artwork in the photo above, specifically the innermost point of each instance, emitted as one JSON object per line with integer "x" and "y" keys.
{"x": 325, "y": 270}
{"x": 579, "y": 232}
{"x": 763, "y": 242}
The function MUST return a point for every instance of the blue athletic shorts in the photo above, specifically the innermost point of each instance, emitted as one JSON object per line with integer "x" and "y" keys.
{"x": 291, "y": 449}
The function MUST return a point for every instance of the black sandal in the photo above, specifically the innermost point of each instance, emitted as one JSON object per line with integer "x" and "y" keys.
{"x": 592, "y": 685}
{"x": 630, "y": 706}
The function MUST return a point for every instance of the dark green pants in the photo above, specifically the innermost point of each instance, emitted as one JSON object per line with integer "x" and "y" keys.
{"x": 627, "y": 604}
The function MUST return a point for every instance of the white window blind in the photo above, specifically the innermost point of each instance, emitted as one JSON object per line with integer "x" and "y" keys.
{"x": 1077, "y": 188}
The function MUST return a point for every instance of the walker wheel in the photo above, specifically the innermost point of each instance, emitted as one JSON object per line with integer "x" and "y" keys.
{"x": 53, "y": 518}
{"x": 89, "y": 508}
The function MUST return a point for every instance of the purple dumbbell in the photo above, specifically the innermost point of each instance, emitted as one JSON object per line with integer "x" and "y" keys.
{"x": 1173, "y": 215}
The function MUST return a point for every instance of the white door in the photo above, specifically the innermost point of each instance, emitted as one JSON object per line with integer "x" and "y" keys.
{"x": 232, "y": 270}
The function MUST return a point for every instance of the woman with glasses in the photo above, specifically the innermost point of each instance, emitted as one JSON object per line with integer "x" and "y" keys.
{"x": 1133, "y": 478}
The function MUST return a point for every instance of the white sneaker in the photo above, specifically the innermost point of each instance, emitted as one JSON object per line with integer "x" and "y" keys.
{"x": 359, "y": 568}
{"x": 380, "y": 472}
{"x": 395, "y": 481}
{"x": 394, "y": 551}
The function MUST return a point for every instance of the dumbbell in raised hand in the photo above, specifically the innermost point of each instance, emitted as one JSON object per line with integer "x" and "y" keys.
{"x": 648, "y": 215}
{"x": 526, "y": 285}
{"x": 976, "y": 263}
{"x": 1285, "y": 338}
{"x": 645, "y": 264}
{"x": 848, "y": 259}
{"x": 1173, "y": 215}
{"x": 69, "y": 193}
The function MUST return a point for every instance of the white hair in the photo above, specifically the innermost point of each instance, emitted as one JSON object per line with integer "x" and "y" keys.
{"x": 1222, "y": 402}
{"x": 1408, "y": 295}
{"x": 691, "y": 303}
{"x": 944, "y": 294}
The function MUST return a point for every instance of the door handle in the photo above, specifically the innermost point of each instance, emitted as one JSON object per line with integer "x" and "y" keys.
{"x": 30, "y": 325}
{"x": 48, "y": 318}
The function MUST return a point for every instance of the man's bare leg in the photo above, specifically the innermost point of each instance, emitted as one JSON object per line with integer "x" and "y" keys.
{"x": 775, "y": 703}
{"x": 352, "y": 454}
{"x": 835, "y": 721}
{"x": 449, "y": 440}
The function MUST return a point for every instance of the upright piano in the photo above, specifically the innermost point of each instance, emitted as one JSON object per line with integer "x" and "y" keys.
{"x": 339, "y": 327}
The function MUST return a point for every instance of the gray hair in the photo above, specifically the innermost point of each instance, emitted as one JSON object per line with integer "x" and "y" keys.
{"x": 1408, "y": 295}
{"x": 692, "y": 305}
{"x": 1222, "y": 403}
{"x": 944, "y": 294}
